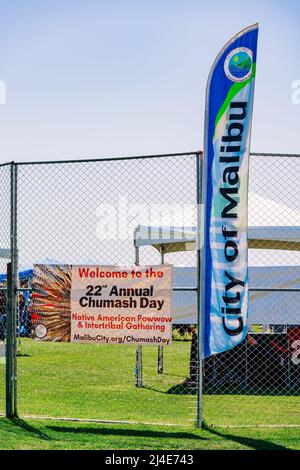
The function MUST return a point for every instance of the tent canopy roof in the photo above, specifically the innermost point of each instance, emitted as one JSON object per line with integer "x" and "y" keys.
{"x": 173, "y": 239}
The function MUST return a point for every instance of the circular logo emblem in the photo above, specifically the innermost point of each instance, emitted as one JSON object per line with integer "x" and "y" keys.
{"x": 238, "y": 64}
{"x": 40, "y": 331}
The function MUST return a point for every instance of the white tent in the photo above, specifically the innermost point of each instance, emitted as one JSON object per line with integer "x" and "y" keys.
{"x": 274, "y": 306}
{"x": 175, "y": 239}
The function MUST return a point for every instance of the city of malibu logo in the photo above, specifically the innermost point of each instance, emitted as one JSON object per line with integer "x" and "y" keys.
{"x": 238, "y": 64}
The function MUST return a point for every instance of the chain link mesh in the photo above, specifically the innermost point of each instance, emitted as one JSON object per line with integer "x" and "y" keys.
{"x": 85, "y": 213}
{"x": 72, "y": 213}
{"x": 258, "y": 382}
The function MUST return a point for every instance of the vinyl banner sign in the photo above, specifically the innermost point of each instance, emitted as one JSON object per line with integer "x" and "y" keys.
{"x": 103, "y": 304}
{"x": 224, "y": 276}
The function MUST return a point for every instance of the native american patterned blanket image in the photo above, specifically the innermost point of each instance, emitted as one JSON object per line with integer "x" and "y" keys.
{"x": 51, "y": 302}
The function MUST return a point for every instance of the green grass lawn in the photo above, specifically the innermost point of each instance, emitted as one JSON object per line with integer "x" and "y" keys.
{"x": 97, "y": 382}
{"x": 58, "y": 435}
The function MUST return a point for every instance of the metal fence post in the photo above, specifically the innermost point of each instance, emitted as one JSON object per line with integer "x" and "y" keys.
{"x": 9, "y": 347}
{"x": 199, "y": 166}
{"x": 12, "y": 276}
{"x": 15, "y": 284}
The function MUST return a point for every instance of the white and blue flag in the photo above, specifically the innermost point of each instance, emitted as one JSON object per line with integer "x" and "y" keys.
{"x": 224, "y": 269}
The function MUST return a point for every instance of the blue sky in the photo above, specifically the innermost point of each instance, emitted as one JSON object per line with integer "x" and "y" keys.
{"x": 111, "y": 78}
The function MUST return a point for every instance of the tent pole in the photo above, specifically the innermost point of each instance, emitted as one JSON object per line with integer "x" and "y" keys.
{"x": 139, "y": 382}
{"x": 138, "y": 371}
{"x": 160, "y": 354}
{"x": 160, "y": 360}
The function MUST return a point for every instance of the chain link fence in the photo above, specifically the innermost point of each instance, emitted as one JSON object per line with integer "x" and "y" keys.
{"x": 258, "y": 382}
{"x": 85, "y": 212}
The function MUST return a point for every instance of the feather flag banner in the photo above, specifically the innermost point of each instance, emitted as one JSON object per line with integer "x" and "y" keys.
{"x": 51, "y": 302}
{"x": 224, "y": 269}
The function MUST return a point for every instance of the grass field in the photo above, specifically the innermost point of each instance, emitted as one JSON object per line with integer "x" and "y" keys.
{"x": 97, "y": 382}
{"x": 45, "y": 434}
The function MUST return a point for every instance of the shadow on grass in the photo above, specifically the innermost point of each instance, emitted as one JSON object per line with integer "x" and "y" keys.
{"x": 184, "y": 388}
{"x": 255, "y": 444}
{"x": 169, "y": 374}
{"x": 188, "y": 387}
{"x": 27, "y": 427}
{"x": 127, "y": 432}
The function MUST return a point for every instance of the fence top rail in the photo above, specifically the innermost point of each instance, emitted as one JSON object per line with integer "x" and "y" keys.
{"x": 266, "y": 154}
{"x": 140, "y": 157}
{"x": 110, "y": 159}
{"x": 5, "y": 164}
